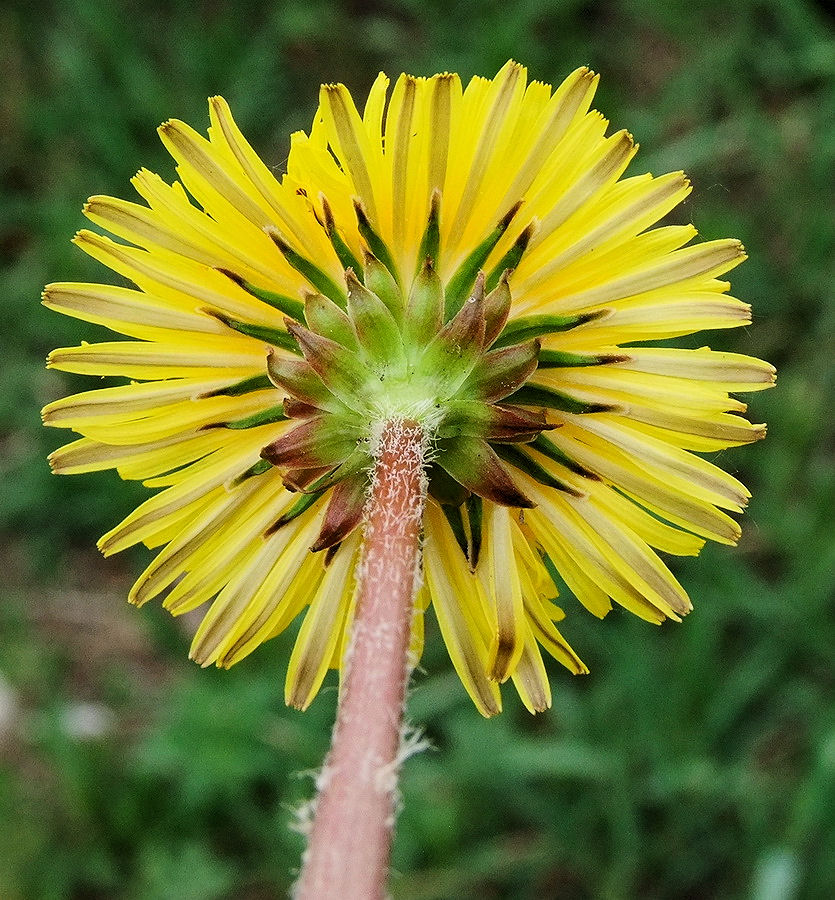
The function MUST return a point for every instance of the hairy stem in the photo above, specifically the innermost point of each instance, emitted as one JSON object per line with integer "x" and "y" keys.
{"x": 350, "y": 841}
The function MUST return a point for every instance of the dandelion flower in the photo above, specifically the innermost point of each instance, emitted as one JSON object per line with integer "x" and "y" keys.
{"x": 471, "y": 261}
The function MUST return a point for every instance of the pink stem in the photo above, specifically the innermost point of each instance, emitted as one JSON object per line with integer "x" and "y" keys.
{"x": 350, "y": 841}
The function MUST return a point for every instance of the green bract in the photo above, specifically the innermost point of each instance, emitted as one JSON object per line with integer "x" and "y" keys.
{"x": 451, "y": 366}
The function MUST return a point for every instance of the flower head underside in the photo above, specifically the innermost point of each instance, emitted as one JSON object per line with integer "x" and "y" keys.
{"x": 472, "y": 259}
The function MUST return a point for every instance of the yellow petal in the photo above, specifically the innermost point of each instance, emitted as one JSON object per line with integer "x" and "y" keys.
{"x": 652, "y": 489}
{"x": 174, "y": 559}
{"x": 541, "y": 626}
{"x": 213, "y": 356}
{"x": 350, "y": 142}
{"x": 497, "y": 570}
{"x": 729, "y": 371}
{"x": 181, "y": 281}
{"x": 218, "y": 558}
{"x": 269, "y": 574}
{"x": 679, "y": 468}
{"x": 321, "y": 628}
{"x": 217, "y": 186}
{"x": 136, "y": 461}
{"x": 530, "y": 677}
{"x": 451, "y": 587}
{"x": 150, "y": 516}
{"x": 124, "y": 402}
{"x": 568, "y": 103}
{"x": 493, "y": 126}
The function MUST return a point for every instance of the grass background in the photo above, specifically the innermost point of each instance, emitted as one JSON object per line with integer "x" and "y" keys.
{"x": 695, "y": 761}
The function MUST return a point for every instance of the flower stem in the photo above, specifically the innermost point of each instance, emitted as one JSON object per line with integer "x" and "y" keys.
{"x": 350, "y": 840}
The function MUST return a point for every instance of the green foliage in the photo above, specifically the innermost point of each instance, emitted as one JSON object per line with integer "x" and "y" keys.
{"x": 695, "y": 761}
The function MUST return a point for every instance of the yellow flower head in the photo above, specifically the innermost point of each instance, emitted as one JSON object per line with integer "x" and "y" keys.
{"x": 470, "y": 259}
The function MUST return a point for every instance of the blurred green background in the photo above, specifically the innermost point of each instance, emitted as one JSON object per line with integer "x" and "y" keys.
{"x": 695, "y": 761}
